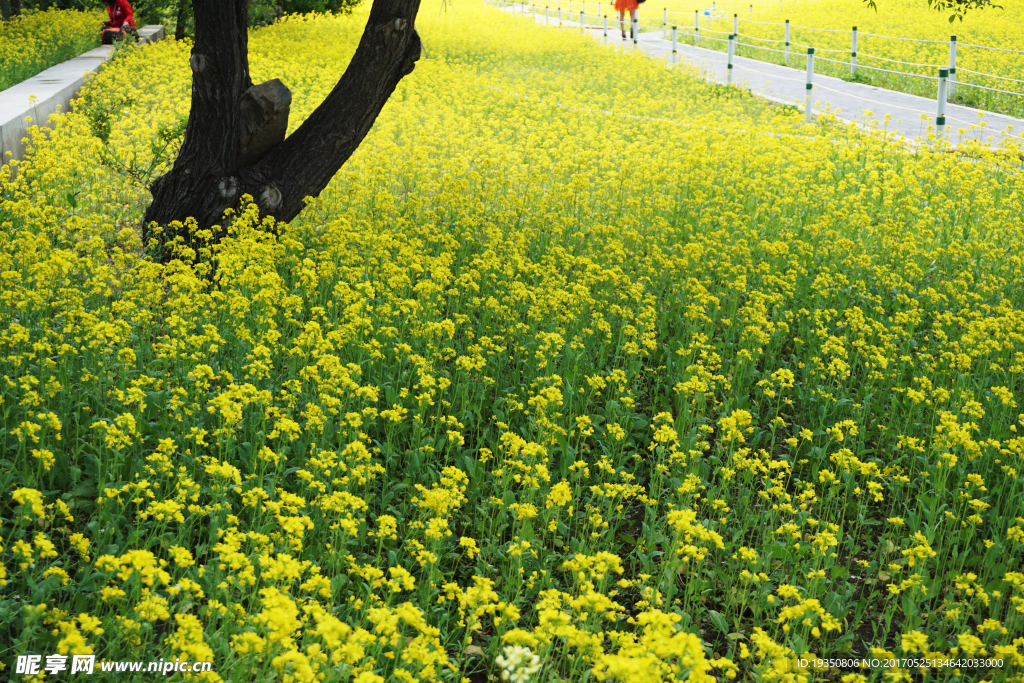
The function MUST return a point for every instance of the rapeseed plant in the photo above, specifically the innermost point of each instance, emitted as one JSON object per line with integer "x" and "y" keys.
{"x": 706, "y": 394}
{"x": 34, "y": 41}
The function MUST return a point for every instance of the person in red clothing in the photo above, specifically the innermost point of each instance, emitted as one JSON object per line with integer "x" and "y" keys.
{"x": 121, "y": 20}
{"x": 622, "y": 6}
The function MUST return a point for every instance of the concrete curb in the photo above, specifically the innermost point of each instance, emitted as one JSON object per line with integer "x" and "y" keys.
{"x": 53, "y": 89}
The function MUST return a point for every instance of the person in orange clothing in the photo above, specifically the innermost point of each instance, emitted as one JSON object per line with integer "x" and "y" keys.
{"x": 122, "y": 20}
{"x": 622, "y": 6}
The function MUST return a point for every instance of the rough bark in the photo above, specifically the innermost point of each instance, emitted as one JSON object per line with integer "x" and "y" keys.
{"x": 264, "y": 122}
{"x": 231, "y": 145}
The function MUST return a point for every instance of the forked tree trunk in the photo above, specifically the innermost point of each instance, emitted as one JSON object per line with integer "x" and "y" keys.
{"x": 234, "y": 141}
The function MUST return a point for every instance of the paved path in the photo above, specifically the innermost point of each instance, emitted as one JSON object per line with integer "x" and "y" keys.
{"x": 858, "y": 103}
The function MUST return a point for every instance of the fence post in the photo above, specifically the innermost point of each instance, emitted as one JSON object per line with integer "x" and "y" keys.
{"x": 810, "y": 80}
{"x": 606, "y": 29}
{"x": 581, "y": 20}
{"x": 696, "y": 27}
{"x": 570, "y": 6}
{"x": 735, "y": 23}
{"x": 559, "y": 17}
{"x": 547, "y": 15}
{"x": 751, "y": 9}
{"x": 674, "y": 37}
{"x": 853, "y": 52}
{"x": 787, "y": 41}
{"x": 732, "y": 50}
{"x": 940, "y": 112}
{"x": 664, "y": 16}
{"x": 952, "y": 67}
{"x": 713, "y": 10}
{"x": 636, "y": 32}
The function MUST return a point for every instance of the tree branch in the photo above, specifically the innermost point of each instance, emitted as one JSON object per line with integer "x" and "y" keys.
{"x": 232, "y": 142}
{"x": 304, "y": 163}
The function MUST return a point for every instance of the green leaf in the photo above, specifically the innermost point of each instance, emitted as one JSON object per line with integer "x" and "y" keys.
{"x": 834, "y": 603}
{"x": 719, "y": 621}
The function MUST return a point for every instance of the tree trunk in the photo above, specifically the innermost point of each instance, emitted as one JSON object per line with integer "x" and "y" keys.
{"x": 234, "y": 143}
{"x": 5, "y": 9}
{"x": 182, "y": 20}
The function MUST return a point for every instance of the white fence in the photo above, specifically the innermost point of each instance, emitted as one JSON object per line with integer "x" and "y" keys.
{"x": 589, "y": 15}
{"x": 575, "y": 13}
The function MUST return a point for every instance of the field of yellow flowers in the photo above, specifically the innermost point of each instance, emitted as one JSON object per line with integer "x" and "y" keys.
{"x": 35, "y": 41}
{"x": 1000, "y": 28}
{"x": 579, "y": 370}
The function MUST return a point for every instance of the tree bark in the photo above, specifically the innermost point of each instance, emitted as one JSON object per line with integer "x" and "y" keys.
{"x": 182, "y": 20}
{"x": 207, "y": 178}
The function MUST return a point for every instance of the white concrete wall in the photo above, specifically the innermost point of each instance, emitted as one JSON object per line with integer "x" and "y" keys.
{"x": 53, "y": 88}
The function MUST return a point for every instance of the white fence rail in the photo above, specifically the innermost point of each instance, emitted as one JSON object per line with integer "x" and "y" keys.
{"x": 589, "y": 14}
{"x": 946, "y": 77}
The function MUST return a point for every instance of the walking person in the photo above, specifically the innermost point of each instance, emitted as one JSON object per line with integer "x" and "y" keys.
{"x": 621, "y": 6}
{"x": 122, "y": 20}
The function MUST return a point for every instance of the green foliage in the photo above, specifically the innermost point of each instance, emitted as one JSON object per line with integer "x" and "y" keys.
{"x": 166, "y": 12}
{"x": 957, "y": 9}
{"x": 304, "y": 6}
